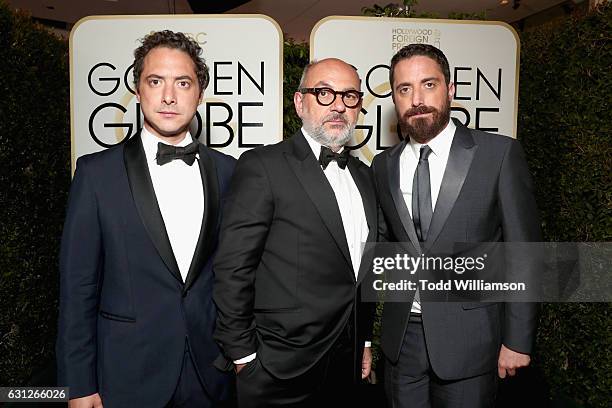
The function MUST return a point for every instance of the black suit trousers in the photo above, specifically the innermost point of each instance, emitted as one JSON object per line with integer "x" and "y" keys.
{"x": 329, "y": 383}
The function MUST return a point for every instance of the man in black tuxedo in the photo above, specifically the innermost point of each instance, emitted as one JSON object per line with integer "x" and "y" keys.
{"x": 448, "y": 184}
{"x": 136, "y": 310}
{"x": 289, "y": 264}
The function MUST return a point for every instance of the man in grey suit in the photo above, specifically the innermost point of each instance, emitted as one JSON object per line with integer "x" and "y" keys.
{"x": 443, "y": 185}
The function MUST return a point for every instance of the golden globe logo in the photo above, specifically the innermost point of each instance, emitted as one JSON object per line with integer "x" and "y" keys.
{"x": 229, "y": 121}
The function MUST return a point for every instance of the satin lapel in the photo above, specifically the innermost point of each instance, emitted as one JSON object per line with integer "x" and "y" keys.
{"x": 393, "y": 168}
{"x": 317, "y": 187}
{"x": 145, "y": 200}
{"x": 366, "y": 188}
{"x": 459, "y": 161}
{"x": 206, "y": 240}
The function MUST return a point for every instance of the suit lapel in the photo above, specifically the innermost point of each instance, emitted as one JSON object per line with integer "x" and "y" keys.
{"x": 205, "y": 245}
{"x": 393, "y": 168}
{"x": 459, "y": 161}
{"x": 145, "y": 200}
{"x": 366, "y": 189}
{"x": 317, "y": 187}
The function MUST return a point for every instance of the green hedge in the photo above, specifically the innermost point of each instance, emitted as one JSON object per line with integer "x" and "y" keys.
{"x": 564, "y": 125}
{"x": 296, "y": 56}
{"x": 35, "y": 153}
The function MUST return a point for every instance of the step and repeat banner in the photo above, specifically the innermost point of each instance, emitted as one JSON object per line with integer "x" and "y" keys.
{"x": 241, "y": 108}
{"x": 483, "y": 58}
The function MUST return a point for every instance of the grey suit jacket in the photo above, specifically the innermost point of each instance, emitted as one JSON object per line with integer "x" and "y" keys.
{"x": 486, "y": 195}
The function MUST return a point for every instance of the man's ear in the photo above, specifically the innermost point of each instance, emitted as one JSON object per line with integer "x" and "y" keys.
{"x": 451, "y": 91}
{"x": 298, "y": 99}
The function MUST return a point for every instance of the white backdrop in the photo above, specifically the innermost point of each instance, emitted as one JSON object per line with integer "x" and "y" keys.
{"x": 483, "y": 58}
{"x": 242, "y": 106}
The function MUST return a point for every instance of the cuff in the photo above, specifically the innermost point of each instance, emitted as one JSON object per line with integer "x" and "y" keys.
{"x": 246, "y": 359}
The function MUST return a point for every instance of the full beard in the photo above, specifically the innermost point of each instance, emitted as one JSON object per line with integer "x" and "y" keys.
{"x": 422, "y": 130}
{"x": 332, "y": 140}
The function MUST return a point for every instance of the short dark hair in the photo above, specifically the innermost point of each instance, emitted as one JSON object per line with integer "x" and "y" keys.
{"x": 172, "y": 40}
{"x": 425, "y": 50}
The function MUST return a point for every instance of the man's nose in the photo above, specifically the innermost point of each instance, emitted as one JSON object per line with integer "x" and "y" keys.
{"x": 338, "y": 105}
{"x": 417, "y": 98}
{"x": 169, "y": 95}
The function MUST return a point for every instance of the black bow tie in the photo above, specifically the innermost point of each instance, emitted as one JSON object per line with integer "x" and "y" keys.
{"x": 327, "y": 155}
{"x": 166, "y": 153}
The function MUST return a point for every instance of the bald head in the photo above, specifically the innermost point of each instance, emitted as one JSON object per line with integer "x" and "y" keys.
{"x": 317, "y": 67}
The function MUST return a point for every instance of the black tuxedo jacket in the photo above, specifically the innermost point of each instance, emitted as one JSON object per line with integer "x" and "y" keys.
{"x": 486, "y": 195}
{"x": 125, "y": 314}
{"x": 285, "y": 286}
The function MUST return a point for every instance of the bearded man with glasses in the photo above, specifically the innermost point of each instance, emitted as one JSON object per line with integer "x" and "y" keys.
{"x": 289, "y": 266}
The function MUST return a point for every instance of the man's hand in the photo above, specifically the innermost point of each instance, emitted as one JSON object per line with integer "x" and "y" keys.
{"x": 510, "y": 360}
{"x": 366, "y": 363}
{"x": 239, "y": 367}
{"x": 90, "y": 401}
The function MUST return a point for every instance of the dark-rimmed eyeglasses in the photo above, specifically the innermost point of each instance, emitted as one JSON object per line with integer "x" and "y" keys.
{"x": 327, "y": 96}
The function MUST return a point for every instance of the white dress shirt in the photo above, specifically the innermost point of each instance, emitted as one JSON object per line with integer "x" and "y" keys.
{"x": 349, "y": 202}
{"x": 180, "y": 196}
{"x": 409, "y": 159}
{"x": 352, "y": 212}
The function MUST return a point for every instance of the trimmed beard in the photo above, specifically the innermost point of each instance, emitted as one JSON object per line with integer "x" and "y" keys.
{"x": 421, "y": 131}
{"x": 319, "y": 133}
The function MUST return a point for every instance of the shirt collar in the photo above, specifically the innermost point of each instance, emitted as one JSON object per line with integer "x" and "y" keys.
{"x": 150, "y": 141}
{"x": 440, "y": 145}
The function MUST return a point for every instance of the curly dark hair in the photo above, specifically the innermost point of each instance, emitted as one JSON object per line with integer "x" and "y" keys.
{"x": 172, "y": 40}
{"x": 425, "y": 50}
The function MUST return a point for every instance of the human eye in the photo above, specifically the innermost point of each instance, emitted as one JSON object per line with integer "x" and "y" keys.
{"x": 184, "y": 84}
{"x": 325, "y": 92}
{"x": 154, "y": 81}
{"x": 351, "y": 96}
{"x": 430, "y": 85}
{"x": 404, "y": 89}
